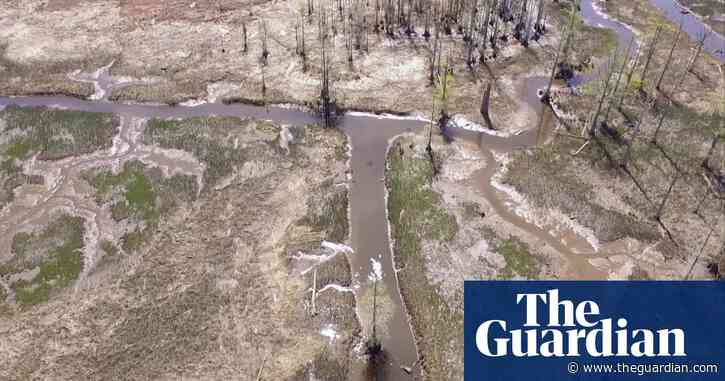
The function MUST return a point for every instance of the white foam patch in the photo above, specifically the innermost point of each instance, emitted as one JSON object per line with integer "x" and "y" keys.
{"x": 335, "y": 287}
{"x": 377, "y": 273}
{"x": 337, "y": 247}
{"x": 460, "y": 121}
{"x": 330, "y": 332}
{"x": 388, "y": 116}
{"x": 193, "y": 103}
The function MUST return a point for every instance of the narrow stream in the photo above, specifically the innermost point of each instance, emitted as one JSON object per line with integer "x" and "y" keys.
{"x": 369, "y": 137}
{"x": 693, "y": 26}
{"x": 369, "y": 229}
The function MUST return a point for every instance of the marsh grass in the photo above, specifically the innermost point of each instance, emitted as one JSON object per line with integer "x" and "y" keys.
{"x": 55, "y": 133}
{"x": 415, "y": 215}
{"x": 327, "y": 212}
{"x": 140, "y": 194}
{"x": 51, "y": 133}
{"x": 209, "y": 139}
{"x": 55, "y": 251}
{"x": 549, "y": 179}
{"x": 519, "y": 260}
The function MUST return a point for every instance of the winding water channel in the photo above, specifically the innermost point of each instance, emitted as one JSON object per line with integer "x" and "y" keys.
{"x": 370, "y": 136}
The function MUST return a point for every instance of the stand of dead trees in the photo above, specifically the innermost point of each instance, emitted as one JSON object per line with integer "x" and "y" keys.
{"x": 327, "y": 97}
{"x": 615, "y": 143}
{"x": 481, "y": 25}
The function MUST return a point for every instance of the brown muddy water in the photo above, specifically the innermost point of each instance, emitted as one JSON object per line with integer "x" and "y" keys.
{"x": 565, "y": 241}
{"x": 369, "y": 136}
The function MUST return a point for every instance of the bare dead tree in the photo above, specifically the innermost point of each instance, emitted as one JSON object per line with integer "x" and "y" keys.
{"x": 443, "y": 87}
{"x": 244, "y": 37}
{"x": 326, "y": 98}
{"x": 659, "y": 125}
{"x": 265, "y": 51}
{"x": 488, "y": 10}
{"x": 375, "y": 308}
{"x": 426, "y": 23}
{"x": 562, "y": 46}
{"x": 619, "y": 78}
{"x": 264, "y": 87}
{"x": 651, "y": 52}
{"x": 669, "y": 56}
{"x": 700, "y": 43}
{"x": 595, "y": 119}
{"x": 429, "y": 146}
{"x": 693, "y": 59}
{"x": 485, "y": 105}
{"x": 303, "y": 46}
{"x": 630, "y": 74}
{"x": 494, "y": 36}
{"x": 468, "y": 39}
{"x": 435, "y": 57}
{"x": 349, "y": 34}
{"x": 540, "y": 26}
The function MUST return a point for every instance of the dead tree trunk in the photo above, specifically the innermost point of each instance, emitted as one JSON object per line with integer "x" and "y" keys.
{"x": 595, "y": 118}
{"x": 326, "y": 99}
{"x": 264, "y": 88}
{"x": 494, "y": 37}
{"x": 619, "y": 78}
{"x": 659, "y": 126}
{"x": 265, "y": 52}
{"x": 434, "y": 56}
{"x": 691, "y": 61}
{"x": 539, "y": 26}
{"x": 700, "y": 45}
{"x": 562, "y": 45}
{"x": 629, "y": 79}
{"x": 669, "y": 58}
{"x": 429, "y": 146}
{"x": 485, "y": 106}
{"x": 650, "y": 53}
{"x": 490, "y": 6}
{"x": 375, "y": 309}
{"x": 244, "y": 38}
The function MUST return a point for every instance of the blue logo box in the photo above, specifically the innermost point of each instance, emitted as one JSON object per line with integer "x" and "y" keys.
{"x": 594, "y": 330}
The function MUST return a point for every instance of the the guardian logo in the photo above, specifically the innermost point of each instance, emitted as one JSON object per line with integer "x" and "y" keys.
{"x": 567, "y": 329}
